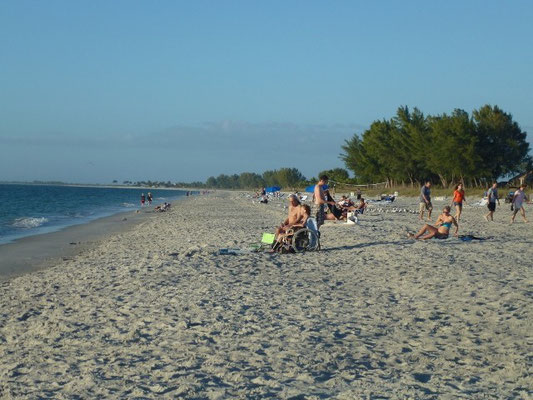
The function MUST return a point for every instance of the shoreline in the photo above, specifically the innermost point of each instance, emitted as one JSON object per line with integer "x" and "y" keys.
{"x": 40, "y": 251}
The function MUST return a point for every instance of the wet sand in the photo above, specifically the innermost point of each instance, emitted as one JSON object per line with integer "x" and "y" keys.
{"x": 42, "y": 251}
{"x": 156, "y": 312}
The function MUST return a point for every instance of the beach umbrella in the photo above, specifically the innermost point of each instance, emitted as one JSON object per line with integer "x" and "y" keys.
{"x": 311, "y": 188}
{"x": 272, "y": 189}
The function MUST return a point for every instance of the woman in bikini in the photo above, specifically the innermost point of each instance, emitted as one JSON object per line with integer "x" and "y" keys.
{"x": 441, "y": 230}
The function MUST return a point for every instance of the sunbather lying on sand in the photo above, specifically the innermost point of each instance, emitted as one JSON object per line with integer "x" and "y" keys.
{"x": 162, "y": 207}
{"x": 442, "y": 229}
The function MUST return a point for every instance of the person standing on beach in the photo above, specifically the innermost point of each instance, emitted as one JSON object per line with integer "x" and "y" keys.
{"x": 518, "y": 203}
{"x": 143, "y": 199}
{"x": 425, "y": 201}
{"x": 492, "y": 198}
{"x": 458, "y": 199}
{"x": 321, "y": 202}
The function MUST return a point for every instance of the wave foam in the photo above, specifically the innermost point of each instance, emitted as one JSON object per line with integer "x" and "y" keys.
{"x": 29, "y": 222}
{"x": 128, "y": 205}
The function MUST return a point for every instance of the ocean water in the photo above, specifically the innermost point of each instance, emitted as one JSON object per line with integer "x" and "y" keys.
{"x": 27, "y": 210}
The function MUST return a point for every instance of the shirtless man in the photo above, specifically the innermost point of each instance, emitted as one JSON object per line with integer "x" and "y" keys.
{"x": 321, "y": 202}
{"x": 297, "y": 216}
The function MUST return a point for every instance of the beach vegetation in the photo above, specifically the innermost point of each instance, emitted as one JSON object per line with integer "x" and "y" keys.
{"x": 411, "y": 147}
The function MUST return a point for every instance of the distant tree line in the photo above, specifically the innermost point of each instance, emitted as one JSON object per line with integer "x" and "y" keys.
{"x": 283, "y": 177}
{"x": 412, "y": 147}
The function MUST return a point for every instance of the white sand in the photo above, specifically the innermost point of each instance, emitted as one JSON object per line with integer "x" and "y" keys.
{"x": 373, "y": 315}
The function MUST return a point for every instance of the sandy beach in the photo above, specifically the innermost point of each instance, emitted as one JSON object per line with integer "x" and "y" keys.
{"x": 154, "y": 311}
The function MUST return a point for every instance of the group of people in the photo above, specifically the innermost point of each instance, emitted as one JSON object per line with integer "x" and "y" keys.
{"x": 517, "y": 202}
{"x": 162, "y": 207}
{"x": 299, "y": 213}
{"x": 338, "y": 210}
{"x": 445, "y": 220}
{"x": 145, "y": 198}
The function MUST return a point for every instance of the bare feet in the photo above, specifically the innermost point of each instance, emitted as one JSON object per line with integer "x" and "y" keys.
{"x": 410, "y": 235}
{"x": 486, "y": 219}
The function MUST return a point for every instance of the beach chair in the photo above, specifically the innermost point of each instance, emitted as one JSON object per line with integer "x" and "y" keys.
{"x": 300, "y": 239}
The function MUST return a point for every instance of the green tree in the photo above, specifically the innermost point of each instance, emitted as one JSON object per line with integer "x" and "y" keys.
{"x": 250, "y": 180}
{"x": 502, "y": 145}
{"x": 289, "y": 177}
{"x": 452, "y": 155}
{"x": 336, "y": 174}
{"x": 211, "y": 182}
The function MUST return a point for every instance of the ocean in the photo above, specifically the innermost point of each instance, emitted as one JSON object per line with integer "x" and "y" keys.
{"x": 34, "y": 209}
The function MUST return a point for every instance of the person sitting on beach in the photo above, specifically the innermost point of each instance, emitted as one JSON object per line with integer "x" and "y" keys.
{"x": 356, "y": 209}
{"x": 360, "y": 207}
{"x": 296, "y": 218}
{"x": 345, "y": 202}
{"x": 441, "y": 230}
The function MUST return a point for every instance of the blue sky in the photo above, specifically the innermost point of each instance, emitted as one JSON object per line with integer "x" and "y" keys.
{"x": 172, "y": 90}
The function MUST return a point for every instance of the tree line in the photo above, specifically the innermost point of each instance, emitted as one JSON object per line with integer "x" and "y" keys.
{"x": 412, "y": 147}
{"x": 408, "y": 148}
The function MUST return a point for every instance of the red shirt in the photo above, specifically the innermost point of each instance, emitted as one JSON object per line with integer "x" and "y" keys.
{"x": 458, "y": 196}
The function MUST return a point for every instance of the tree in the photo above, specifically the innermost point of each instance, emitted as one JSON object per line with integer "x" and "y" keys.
{"x": 250, "y": 180}
{"x": 502, "y": 146}
{"x": 289, "y": 177}
{"x": 452, "y": 155}
{"x": 211, "y": 182}
{"x": 336, "y": 174}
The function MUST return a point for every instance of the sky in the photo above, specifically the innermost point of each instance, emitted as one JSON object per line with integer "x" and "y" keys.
{"x": 183, "y": 90}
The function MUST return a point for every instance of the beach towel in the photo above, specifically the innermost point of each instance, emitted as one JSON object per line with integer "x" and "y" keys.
{"x": 469, "y": 238}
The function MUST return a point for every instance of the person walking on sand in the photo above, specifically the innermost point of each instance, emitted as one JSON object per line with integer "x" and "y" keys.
{"x": 458, "y": 199}
{"x": 321, "y": 202}
{"x": 425, "y": 201}
{"x": 143, "y": 199}
{"x": 518, "y": 203}
{"x": 492, "y": 198}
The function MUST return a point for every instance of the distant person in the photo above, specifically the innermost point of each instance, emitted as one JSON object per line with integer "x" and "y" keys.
{"x": 458, "y": 199}
{"x": 441, "y": 230}
{"x": 263, "y": 192}
{"x": 321, "y": 202}
{"x": 358, "y": 194}
{"x": 150, "y": 198}
{"x": 517, "y": 203}
{"x": 492, "y": 198}
{"x": 143, "y": 199}
{"x": 345, "y": 202}
{"x": 425, "y": 201}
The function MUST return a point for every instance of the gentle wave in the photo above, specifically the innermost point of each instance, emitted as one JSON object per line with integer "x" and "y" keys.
{"x": 29, "y": 222}
{"x": 128, "y": 205}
